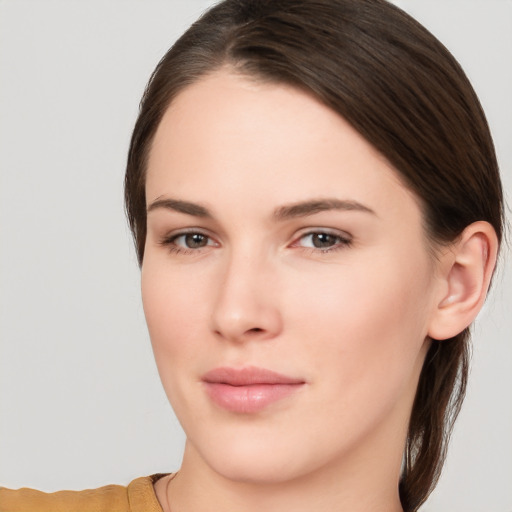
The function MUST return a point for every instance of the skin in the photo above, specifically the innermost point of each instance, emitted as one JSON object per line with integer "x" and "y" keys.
{"x": 351, "y": 319}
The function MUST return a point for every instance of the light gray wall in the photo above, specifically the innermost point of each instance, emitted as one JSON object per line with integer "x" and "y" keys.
{"x": 80, "y": 400}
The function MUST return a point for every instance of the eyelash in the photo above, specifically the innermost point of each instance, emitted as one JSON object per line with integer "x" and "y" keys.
{"x": 342, "y": 242}
{"x": 170, "y": 242}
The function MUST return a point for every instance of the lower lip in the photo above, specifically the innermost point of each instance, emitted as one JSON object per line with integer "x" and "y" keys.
{"x": 248, "y": 399}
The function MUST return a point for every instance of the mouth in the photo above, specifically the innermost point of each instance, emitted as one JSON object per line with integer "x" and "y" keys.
{"x": 249, "y": 389}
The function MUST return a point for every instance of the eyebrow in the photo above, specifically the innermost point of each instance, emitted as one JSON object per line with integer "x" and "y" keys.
{"x": 177, "y": 205}
{"x": 305, "y": 208}
{"x": 300, "y": 209}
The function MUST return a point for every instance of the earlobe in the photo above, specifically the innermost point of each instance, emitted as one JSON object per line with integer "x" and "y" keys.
{"x": 466, "y": 271}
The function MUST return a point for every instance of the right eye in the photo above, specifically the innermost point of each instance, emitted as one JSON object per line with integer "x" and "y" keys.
{"x": 191, "y": 241}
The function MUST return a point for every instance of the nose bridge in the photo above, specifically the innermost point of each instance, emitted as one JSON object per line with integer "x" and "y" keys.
{"x": 246, "y": 305}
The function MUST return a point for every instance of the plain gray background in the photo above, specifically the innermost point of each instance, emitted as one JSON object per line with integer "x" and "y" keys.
{"x": 81, "y": 404}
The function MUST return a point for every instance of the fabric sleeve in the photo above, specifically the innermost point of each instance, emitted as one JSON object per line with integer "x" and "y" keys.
{"x": 111, "y": 498}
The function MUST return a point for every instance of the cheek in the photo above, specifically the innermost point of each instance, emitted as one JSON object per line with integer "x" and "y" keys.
{"x": 365, "y": 322}
{"x": 173, "y": 308}
{"x": 361, "y": 298}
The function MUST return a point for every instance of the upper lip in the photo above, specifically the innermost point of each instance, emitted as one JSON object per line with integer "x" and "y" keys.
{"x": 247, "y": 376}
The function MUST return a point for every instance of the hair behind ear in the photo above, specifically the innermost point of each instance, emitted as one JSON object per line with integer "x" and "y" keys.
{"x": 439, "y": 397}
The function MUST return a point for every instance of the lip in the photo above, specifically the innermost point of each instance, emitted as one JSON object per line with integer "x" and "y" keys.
{"x": 249, "y": 389}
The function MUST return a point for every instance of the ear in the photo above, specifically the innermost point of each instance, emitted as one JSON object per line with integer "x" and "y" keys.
{"x": 465, "y": 274}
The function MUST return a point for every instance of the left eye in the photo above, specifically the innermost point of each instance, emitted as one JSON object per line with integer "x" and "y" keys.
{"x": 322, "y": 240}
{"x": 191, "y": 240}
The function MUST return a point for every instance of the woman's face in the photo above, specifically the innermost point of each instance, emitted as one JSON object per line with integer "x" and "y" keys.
{"x": 280, "y": 242}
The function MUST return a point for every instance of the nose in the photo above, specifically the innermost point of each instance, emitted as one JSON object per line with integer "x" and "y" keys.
{"x": 247, "y": 301}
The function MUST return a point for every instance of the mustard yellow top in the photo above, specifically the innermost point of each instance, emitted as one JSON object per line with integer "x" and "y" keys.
{"x": 138, "y": 496}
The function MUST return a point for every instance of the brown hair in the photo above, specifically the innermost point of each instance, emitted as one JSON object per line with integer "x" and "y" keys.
{"x": 400, "y": 88}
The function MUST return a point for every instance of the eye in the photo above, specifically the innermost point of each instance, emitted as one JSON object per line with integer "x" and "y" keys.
{"x": 189, "y": 242}
{"x": 323, "y": 241}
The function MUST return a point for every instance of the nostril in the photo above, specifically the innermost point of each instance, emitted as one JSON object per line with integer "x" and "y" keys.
{"x": 255, "y": 329}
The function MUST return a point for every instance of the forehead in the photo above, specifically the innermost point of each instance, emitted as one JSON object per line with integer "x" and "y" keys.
{"x": 228, "y": 135}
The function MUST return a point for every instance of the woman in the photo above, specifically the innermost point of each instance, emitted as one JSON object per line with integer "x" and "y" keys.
{"x": 317, "y": 212}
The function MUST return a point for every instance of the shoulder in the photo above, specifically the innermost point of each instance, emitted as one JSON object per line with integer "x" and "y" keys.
{"x": 138, "y": 496}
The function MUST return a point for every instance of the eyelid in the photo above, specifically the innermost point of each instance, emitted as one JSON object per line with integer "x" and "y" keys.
{"x": 345, "y": 238}
{"x": 184, "y": 235}
{"x": 168, "y": 240}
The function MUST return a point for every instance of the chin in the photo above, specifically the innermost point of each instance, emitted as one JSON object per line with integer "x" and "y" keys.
{"x": 258, "y": 471}
{"x": 253, "y": 461}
